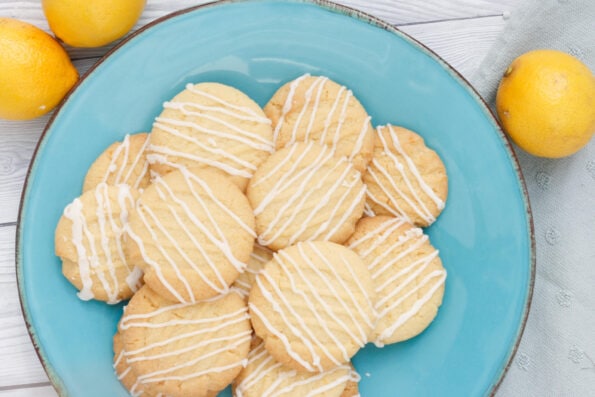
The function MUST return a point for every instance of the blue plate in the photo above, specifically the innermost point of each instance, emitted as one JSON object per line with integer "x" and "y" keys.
{"x": 484, "y": 234}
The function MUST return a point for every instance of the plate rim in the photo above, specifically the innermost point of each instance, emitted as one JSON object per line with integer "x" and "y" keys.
{"x": 338, "y": 9}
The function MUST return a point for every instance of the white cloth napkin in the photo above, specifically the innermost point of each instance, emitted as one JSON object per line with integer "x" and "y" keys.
{"x": 556, "y": 356}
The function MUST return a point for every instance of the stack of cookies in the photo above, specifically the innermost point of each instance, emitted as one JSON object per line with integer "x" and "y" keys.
{"x": 258, "y": 247}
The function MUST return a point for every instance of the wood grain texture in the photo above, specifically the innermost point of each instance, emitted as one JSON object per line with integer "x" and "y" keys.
{"x": 19, "y": 363}
{"x": 37, "y": 391}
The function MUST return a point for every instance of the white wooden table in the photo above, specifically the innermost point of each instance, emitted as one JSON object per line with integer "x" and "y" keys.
{"x": 461, "y": 31}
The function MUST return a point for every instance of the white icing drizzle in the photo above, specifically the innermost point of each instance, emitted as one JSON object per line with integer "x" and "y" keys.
{"x": 400, "y": 272}
{"x": 318, "y": 82}
{"x": 304, "y": 193}
{"x": 440, "y": 275}
{"x": 316, "y": 304}
{"x": 160, "y": 155}
{"x": 257, "y": 313}
{"x": 306, "y": 180}
{"x": 181, "y": 214}
{"x": 213, "y": 149}
{"x": 250, "y": 114}
{"x": 209, "y": 137}
{"x": 289, "y": 178}
{"x": 368, "y": 211}
{"x": 406, "y": 167}
{"x": 288, "y": 104}
{"x": 329, "y": 117}
{"x": 342, "y": 117}
{"x": 422, "y": 184}
{"x": 91, "y": 261}
{"x": 200, "y": 331}
{"x": 359, "y": 143}
{"x": 261, "y": 364}
{"x": 122, "y": 151}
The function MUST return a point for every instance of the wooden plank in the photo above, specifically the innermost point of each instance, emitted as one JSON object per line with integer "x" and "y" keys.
{"x": 38, "y": 391}
{"x": 461, "y": 43}
{"x": 19, "y": 364}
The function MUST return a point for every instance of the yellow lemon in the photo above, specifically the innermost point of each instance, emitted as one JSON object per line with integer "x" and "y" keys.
{"x": 35, "y": 71}
{"x": 546, "y": 103}
{"x": 91, "y": 23}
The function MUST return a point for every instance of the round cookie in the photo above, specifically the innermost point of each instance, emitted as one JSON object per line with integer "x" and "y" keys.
{"x": 211, "y": 125}
{"x": 191, "y": 232}
{"x": 183, "y": 349}
{"x": 312, "y": 306}
{"x": 405, "y": 178}
{"x": 312, "y": 108}
{"x": 303, "y": 192}
{"x": 122, "y": 162}
{"x": 407, "y": 273}
{"x": 88, "y": 239}
{"x": 263, "y": 376}
{"x": 259, "y": 257}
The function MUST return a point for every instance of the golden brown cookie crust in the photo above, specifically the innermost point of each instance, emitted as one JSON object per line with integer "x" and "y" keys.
{"x": 312, "y": 306}
{"x": 315, "y": 108}
{"x": 211, "y": 125}
{"x": 405, "y": 177}
{"x": 186, "y": 349}
{"x": 122, "y": 162}
{"x": 303, "y": 192}
{"x": 191, "y": 233}
{"x": 407, "y": 273}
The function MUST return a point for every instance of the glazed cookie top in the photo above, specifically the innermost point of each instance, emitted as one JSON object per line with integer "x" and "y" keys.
{"x": 312, "y": 108}
{"x": 211, "y": 125}
{"x": 312, "y": 306}
{"x": 185, "y": 349}
{"x": 265, "y": 377}
{"x": 88, "y": 239}
{"x": 405, "y": 178}
{"x": 122, "y": 162}
{"x": 191, "y": 232}
{"x": 303, "y": 192}
{"x": 407, "y": 274}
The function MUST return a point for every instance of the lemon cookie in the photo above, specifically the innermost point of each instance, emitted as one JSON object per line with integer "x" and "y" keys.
{"x": 191, "y": 232}
{"x": 122, "y": 162}
{"x": 407, "y": 273}
{"x": 183, "y": 349}
{"x": 312, "y": 306}
{"x": 88, "y": 239}
{"x": 259, "y": 257}
{"x": 211, "y": 125}
{"x": 265, "y": 377}
{"x": 303, "y": 192}
{"x": 315, "y": 108}
{"x": 405, "y": 178}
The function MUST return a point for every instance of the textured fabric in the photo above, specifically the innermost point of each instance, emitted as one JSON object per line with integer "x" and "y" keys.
{"x": 556, "y": 356}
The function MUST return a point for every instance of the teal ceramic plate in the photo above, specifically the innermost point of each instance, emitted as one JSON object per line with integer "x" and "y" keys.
{"x": 484, "y": 234}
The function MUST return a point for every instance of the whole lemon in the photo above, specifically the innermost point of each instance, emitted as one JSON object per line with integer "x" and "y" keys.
{"x": 35, "y": 71}
{"x": 546, "y": 103}
{"x": 91, "y": 23}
